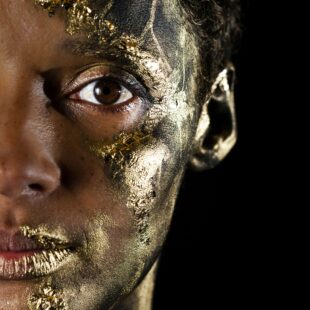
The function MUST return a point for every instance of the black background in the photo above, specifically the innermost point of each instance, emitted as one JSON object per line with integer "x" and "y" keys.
{"x": 220, "y": 251}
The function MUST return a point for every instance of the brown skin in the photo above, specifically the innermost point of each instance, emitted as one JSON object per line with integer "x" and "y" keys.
{"x": 62, "y": 163}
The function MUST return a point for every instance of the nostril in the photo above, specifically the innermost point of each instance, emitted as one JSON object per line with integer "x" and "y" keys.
{"x": 36, "y": 187}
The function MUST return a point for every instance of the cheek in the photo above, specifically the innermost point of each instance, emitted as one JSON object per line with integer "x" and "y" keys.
{"x": 134, "y": 168}
{"x": 144, "y": 169}
{"x": 125, "y": 194}
{"x": 147, "y": 186}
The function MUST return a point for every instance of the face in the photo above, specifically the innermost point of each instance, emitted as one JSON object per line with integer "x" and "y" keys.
{"x": 98, "y": 117}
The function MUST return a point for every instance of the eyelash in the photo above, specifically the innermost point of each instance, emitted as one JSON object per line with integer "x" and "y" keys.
{"x": 89, "y": 90}
{"x": 127, "y": 81}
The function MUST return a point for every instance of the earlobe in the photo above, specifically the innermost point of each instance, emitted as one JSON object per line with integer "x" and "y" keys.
{"x": 216, "y": 131}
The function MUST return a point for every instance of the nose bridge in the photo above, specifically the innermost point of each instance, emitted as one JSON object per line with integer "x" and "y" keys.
{"x": 15, "y": 109}
{"x": 18, "y": 144}
{"x": 26, "y": 165}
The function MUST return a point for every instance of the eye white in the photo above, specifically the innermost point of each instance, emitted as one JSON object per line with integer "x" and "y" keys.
{"x": 87, "y": 93}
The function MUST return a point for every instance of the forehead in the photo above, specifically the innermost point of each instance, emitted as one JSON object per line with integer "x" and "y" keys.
{"x": 134, "y": 16}
{"x": 156, "y": 25}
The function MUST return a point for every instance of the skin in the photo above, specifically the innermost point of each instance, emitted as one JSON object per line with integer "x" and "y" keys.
{"x": 106, "y": 177}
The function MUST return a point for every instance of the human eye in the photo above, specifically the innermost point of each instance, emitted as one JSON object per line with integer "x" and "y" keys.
{"x": 105, "y": 92}
{"x": 109, "y": 89}
{"x": 104, "y": 100}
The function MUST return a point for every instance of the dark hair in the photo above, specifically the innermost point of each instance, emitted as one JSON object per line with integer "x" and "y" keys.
{"x": 216, "y": 23}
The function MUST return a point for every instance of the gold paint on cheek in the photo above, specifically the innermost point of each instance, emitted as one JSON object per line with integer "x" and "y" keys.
{"x": 121, "y": 157}
{"x": 140, "y": 204}
{"x": 123, "y": 145}
{"x": 77, "y": 284}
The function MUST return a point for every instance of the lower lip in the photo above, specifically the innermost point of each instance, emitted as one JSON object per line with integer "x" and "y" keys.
{"x": 16, "y": 255}
{"x": 31, "y": 264}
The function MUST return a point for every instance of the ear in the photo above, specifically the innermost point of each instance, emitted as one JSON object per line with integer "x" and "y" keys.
{"x": 216, "y": 132}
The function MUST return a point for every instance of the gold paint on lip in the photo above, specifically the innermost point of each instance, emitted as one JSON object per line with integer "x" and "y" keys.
{"x": 43, "y": 238}
{"x": 39, "y": 264}
{"x": 56, "y": 251}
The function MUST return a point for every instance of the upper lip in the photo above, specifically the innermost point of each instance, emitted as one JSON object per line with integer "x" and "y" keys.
{"x": 29, "y": 253}
{"x": 16, "y": 242}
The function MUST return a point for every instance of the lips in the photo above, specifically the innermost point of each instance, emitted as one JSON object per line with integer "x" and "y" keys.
{"x": 17, "y": 243}
{"x": 23, "y": 257}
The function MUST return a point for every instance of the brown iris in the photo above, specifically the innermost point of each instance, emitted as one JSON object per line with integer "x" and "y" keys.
{"x": 107, "y": 92}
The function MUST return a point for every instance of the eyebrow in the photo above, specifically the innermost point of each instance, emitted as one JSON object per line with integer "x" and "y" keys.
{"x": 148, "y": 63}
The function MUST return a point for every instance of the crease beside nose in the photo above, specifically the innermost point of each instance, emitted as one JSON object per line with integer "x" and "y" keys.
{"x": 22, "y": 175}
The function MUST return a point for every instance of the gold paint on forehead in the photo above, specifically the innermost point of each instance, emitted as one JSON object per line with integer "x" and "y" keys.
{"x": 149, "y": 28}
{"x": 81, "y": 18}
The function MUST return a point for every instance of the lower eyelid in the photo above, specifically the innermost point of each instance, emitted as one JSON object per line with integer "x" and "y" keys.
{"x": 126, "y": 106}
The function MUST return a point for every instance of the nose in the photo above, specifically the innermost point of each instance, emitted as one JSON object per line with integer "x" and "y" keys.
{"x": 27, "y": 166}
{"x": 27, "y": 162}
{"x": 24, "y": 174}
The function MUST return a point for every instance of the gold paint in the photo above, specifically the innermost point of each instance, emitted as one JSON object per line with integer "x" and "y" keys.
{"x": 141, "y": 298}
{"x": 124, "y": 144}
{"x": 141, "y": 210}
{"x": 211, "y": 156}
{"x": 55, "y": 253}
{"x": 44, "y": 238}
{"x": 131, "y": 155}
{"x": 102, "y": 32}
{"x": 81, "y": 18}
{"x": 117, "y": 155}
{"x": 150, "y": 28}
{"x": 148, "y": 175}
{"x": 77, "y": 276}
{"x": 47, "y": 298}
{"x": 38, "y": 264}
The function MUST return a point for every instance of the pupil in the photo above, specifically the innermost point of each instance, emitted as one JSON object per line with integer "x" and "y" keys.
{"x": 107, "y": 92}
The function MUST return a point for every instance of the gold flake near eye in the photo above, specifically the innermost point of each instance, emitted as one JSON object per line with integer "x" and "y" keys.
{"x": 124, "y": 144}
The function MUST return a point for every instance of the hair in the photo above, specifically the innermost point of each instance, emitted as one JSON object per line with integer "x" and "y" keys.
{"x": 217, "y": 25}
